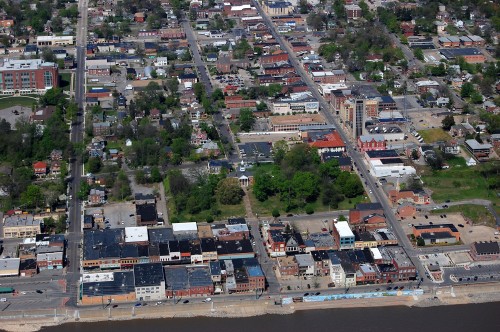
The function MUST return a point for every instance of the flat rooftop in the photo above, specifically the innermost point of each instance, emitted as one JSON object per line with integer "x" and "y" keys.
{"x": 297, "y": 119}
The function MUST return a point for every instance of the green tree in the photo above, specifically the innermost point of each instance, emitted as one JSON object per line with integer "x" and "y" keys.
{"x": 246, "y": 119}
{"x": 466, "y": 90}
{"x": 353, "y": 186}
{"x": 448, "y": 122}
{"x": 275, "y": 213}
{"x": 419, "y": 54}
{"x": 94, "y": 165}
{"x": 476, "y": 97}
{"x": 32, "y": 197}
{"x": 305, "y": 186}
{"x": 280, "y": 149}
{"x": 155, "y": 174}
{"x": 84, "y": 190}
{"x": 229, "y": 191}
{"x": 140, "y": 176}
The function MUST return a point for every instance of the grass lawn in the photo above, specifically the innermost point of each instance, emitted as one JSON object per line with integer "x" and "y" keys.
{"x": 234, "y": 128}
{"x": 265, "y": 208}
{"x": 434, "y": 135}
{"x": 458, "y": 183}
{"x": 477, "y": 213}
{"x": 114, "y": 145}
{"x": 65, "y": 81}
{"x": 16, "y": 101}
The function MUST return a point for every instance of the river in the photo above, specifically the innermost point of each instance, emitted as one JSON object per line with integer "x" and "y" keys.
{"x": 470, "y": 317}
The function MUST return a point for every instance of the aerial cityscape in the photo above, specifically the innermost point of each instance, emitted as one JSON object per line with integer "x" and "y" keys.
{"x": 177, "y": 158}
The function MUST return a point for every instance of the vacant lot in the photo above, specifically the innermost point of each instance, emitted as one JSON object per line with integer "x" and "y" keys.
{"x": 458, "y": 183}
{"x": 434, "y": 135}
{"x": 477, "y": 213}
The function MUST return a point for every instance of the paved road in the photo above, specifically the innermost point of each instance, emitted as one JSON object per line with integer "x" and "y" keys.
{"x": 377, "y": 193}
{"x": 200, "y": 66}
{"x": 74, "y": 235}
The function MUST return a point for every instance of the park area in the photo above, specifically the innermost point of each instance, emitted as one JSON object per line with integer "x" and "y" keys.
{"x": 434, "y": 135}
{"x": 266, "y": 207}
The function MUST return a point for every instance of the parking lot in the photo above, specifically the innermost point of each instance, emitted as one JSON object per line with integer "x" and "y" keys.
{"x": 12, "y": 114}
{"x": 425, "y": 120}
{"x": 468, "y": 233}
{"x": 313, "y": 225}
{"x": 116, "y": 215}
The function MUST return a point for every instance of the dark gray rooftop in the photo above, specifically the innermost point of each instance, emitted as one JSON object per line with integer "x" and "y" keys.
{"x": 149, "y": 274}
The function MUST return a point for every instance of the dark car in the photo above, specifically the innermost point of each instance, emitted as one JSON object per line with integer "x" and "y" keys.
{"x": 317, "y": 293}
{"x": 115, "y": 306}
{"x": 460, "y": 225}
{"x": 39, "y": 291}
{"x": 306, "y": 294}
{"x": 185, "y": 301}
{"x": 389, "y": 288}
{"x": 137, "y": 305}
{"x": 289, "y": 215}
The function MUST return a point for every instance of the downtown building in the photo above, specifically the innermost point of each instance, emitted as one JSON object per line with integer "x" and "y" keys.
{"x": 27, "y": 76}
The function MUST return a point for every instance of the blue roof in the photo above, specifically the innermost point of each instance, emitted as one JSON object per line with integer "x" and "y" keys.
{"x": 387, "y": 99}
{"x": 254, "y": 271}
{"x": 279, "y": 4}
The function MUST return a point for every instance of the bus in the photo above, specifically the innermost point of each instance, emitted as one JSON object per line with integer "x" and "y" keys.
{"x": 6, "y": 290}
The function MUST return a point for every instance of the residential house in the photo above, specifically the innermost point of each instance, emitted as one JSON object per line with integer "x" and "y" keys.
{"x": 409, "y": 196}
{"x": 97, "y": 197}
{"x": 40, "y": 169}
{"x": 451, "y": 147}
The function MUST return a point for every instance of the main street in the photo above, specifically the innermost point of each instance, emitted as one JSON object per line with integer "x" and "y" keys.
{"x": 377, "y": 193}
{"x": 74, "y": 235}
{"x": 200, "y": 66}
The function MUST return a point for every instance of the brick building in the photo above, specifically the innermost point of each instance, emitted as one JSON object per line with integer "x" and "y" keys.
{"x": 31, "y": 75}
{"x": 371, "y": 142}
{"x": 485, "y": 251}
{"x": 237, "y": 101}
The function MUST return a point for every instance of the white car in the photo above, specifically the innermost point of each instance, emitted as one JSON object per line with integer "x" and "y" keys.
{"x": 3, "y": 299}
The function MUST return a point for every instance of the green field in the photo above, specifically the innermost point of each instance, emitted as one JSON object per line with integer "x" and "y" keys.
{"x": 477, "y": 213}
{"x": 16, "y": 101}
{"x": 457, "y": 183}
{"x": 265, "y": 208}
{"x": 434, "y": 135}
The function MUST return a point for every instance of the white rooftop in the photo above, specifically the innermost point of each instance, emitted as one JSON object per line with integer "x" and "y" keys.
{"x": 28, "y": 64}
{"x": 343, "y": 229}
{"x": 49, "y": 38}
{"x": 98, "y": 277}
{"x": 237, "y": 228}
{"x": 376, "y": 253}
{"x": 136, "y": 234}
{"x": 185, "y": 227}
{"x": 427, "y": 83}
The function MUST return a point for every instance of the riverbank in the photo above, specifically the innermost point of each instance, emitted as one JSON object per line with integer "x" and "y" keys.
{"x": 439, "y": 296}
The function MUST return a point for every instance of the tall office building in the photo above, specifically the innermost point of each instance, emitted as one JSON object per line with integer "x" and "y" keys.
{"x": 358, "y": 121}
